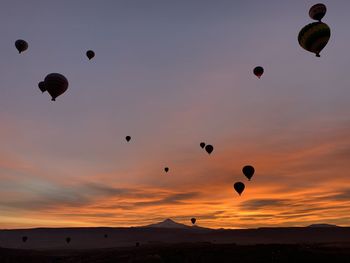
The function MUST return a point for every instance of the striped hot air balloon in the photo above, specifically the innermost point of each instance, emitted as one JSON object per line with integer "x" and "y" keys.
{"x": 314, "y": 37}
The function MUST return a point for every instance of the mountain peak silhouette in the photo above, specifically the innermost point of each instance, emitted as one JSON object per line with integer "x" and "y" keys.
{"x": 169, "y": 223}
{"x": 322, "y": 225}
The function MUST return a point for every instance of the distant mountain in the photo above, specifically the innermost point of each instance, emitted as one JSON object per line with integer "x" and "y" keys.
{"x": 322, "y": 225}
{"x": 168, "y": 223}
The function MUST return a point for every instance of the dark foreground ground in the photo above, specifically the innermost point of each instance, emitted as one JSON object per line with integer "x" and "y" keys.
{"x": 187, "y": 253}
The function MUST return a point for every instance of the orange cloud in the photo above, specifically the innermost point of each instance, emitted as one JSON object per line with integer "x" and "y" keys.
{"x": 298, "y": 181}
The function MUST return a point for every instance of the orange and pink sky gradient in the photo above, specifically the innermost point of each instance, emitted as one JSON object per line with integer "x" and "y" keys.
{"x": 172, "y": 74}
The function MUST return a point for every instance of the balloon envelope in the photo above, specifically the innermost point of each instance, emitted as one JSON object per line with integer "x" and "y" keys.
{"x": 258, "y": 71}
{"x": 127, "y": 138}
{"x": 193, "y": 220}
{"x": 314, "y": 37}
{"x": 248, "y": 171}
{"x": 317, "y": 12}
{"x": 21, "y": 45}
{"x": 239, "y": 187}
{"x": 68, "y": 240}
{"x": 55, "y": 84}
{"x": 166, "y": 169}
{"x": 209, "y": 148}
{"x": 24, "y": 239}
{"x": 41, "y": 86}
{"x": 202, "y": 145}
{"x": 90, "y": 54}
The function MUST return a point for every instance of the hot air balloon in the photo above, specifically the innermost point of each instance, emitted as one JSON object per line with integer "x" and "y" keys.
{"x": 202, "y": 145}
{"x": 209, "y": 148}
{"x": 258, "y": 71}
{"x": 90, "y": 54}
{"x": 41, "y": 86}
{"x": 314, "y": 37}
{"x": 127, "y": 138}
{"x": 21, "y": 45}
{"x": 24, "y": 239}
{"x": 55, "y": 84}
{"x": 239, "y": 187}
{"x": 317, "y": 12}
{"x": 105, "y": 235}
{"x": 166, "y": 169}
{"x": 193, "y": 220}
{"x": 68, "y": 239}
{"x": 248, "y": 171}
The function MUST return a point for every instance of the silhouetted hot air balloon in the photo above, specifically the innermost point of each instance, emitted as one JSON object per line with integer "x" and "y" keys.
{"x": 314, "y": 37}
{"x": 68, "y": 239}
{"x": 166, "y": 169}
{"x": 239, "y": 187}
{"x": 258, "y": 71}
{"x": 127, "y": 138}
{"x": 55, "y": 84}
{"x": 41, "y": 86}
{"x": 248, "y": 171}
{"x": 209, "y": 148}
{"x": 317, "y": 12}
{"x": 21, "y": 45}
{"x": 193, "y": 220}
{"x": 24, "y": 239}
{"x": 202, "y": 145}
{"x": 90, "y": 54}
{"x": 105, "y": 235}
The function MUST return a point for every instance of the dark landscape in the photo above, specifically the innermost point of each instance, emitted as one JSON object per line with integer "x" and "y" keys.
{"x": 169, "y": 241}
{"x": 187, "y": 252}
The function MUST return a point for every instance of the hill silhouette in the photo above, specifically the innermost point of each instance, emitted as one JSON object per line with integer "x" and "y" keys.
{"x": 322, "y": 225}
{"x": 165, "y": 232}
{"x": 169, "y": 223}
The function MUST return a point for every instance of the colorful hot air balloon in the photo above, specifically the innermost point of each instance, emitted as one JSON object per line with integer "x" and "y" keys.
{"x": 314, "y": 37}
{"x": 193, "y": 220}
{"x": 202, "y": 145}
{"x": 239, "y": 187}
{"x": 209, "y": 148}
{"x": 166, "y": 169}
{"x": 55, "y": 84}
{"x": 258, "y": 71}
{"x": 317, "y": 12}
{"x": 90, "y": 54}
{"x": 248, "y": 171}
{"x": 24, "y": 239}
{"x": 127, "y": 138}
{"x": 21, "y": 45}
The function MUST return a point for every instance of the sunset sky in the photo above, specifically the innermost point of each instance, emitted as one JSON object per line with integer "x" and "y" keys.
{"x": 172, "y": 74}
